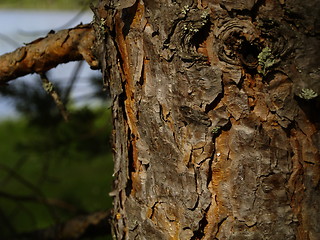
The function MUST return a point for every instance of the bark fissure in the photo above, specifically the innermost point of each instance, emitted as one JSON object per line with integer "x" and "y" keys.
{"x": 219, "y": 226}
{"x": 200, "y": 232}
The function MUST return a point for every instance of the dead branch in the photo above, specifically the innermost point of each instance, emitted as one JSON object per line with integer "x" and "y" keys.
{"x": 31, "y": 186}
{"x": 92, "y": 225}
{"x": 48, "y": 201}
{"x": 45, "y": 53}
{"x": 49, "y": 88}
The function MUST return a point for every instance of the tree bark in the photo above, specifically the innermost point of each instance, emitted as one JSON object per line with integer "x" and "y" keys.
{"x": 215, "y": 118}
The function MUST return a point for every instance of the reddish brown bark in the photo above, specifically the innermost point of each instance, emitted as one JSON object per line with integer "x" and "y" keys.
{"x": 46, "y": 53}
{"x": 213, "y": 141}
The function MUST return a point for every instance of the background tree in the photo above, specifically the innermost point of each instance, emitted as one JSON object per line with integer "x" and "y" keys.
{"x": 215, "y": 117}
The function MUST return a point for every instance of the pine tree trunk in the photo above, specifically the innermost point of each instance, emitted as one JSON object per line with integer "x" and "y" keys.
{"x": 215, "y": 118}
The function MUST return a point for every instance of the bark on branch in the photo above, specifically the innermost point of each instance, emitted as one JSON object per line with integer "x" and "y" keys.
{"x": 46, "y": 53}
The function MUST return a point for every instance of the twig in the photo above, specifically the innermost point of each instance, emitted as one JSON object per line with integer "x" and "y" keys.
{"x": 72, "y": 80}
{"x": 47, "y": 201}
{"x": 31, "y": 186}
{"x": 21, "y": 161}
{"x": 49, "y": 88}
{"x": 9, "y": 40}
{"x": 6, "y": 222}
{"x": 89, "y": 226}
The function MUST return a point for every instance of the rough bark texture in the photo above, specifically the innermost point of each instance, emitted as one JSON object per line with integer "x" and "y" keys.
{"x": 213, "y": 139}
{"x": 45, "y": 53}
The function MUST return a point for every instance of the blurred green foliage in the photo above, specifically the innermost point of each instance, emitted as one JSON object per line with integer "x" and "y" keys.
{"x": 45, "y": 4}
{"x": 69, "y": 163}
{"x": 52, "y": 170}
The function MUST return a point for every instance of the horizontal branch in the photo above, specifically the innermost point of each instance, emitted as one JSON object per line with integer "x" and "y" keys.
{"x": 45, "y": 53}
{"x": 31, "y": 198}
{"x": 88, "y": 226}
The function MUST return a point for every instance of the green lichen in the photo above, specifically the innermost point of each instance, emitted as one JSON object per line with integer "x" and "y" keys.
{"x": 101, "y": 24}
{"x": 185, "y": 9}
{"x": 265, "y": 60}
{"x": 307, "y": 93}
{"x": 205, "y": 15}
{"x": 48, "y": 87}
{"x": 215, "y": 130}
{"x": 193, "y": 27}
